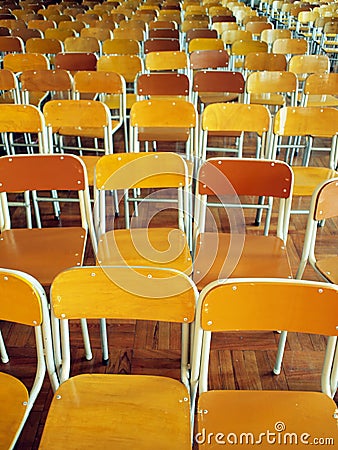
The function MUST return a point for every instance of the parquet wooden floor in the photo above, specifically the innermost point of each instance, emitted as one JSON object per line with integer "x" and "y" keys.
{"x": 238, "y": 360}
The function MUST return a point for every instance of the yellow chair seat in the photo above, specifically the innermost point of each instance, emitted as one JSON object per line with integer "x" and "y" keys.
{"x": 13, "y": 400}
{"x": 163, "y": 134}
{"x": 86, "y": 132}
{"x": 217, "y": 97}
{"x": 90, "y": 163}
{"x": 307, "y": 178}
{"x": 284, "y": 413}
{"x": 261, "y": 256}
{"x": 120, "y": 412}
{"x": 329, "y": 267}
{"x": 160, "y": 247}
{"x": 267, "y": 99}
{"x": 113, "y": 101}
{"x": 43, "y": 252}
{"x": 322, "y": 100}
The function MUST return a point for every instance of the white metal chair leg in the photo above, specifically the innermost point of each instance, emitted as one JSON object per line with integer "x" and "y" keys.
{"x": 36, "y": 209}
{"x": 28, "y": 209}
{"x": 280, "y": 353}
{"x": 104, "y": 340}
{"x": 334, "y": 374}
{"x": 327, "y": 365}
{"x": 86, "y": 340}
{"x": 116, "y": 203}
{"x": 3, "y": 351}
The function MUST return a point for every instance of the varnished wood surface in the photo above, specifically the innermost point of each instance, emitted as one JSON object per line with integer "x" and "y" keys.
{"x": 238, "y": 360}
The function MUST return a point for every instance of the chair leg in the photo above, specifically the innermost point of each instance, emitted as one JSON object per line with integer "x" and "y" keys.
{"x": 28, "y": 209}
{"x": 334, "y": 374}
{"x": 280, "y": 353}
{"x": 86, "y": 341}
{"x": 104, "y": 341}
{"x": 36, "y": 209}
{"x": 259, "y": 212}
{"x": 329, "y": 361}
{"x": 116, "y": 203}
{"x": 3, "y": 351}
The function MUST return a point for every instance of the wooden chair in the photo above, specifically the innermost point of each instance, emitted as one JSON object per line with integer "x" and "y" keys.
{"x": 264, "y": 61}
{"x": 90, "y": 119}
{"x": 12, "y": 24}
{"x": 108, "y": 87}
{"x": 37, "y": 86}
{"x": 199, "y": 33}
{"x": 167, "y": 33}
{"x": 126, "y": 65}
{"x": 223, "y": 18}
{"x": 304, "y": 24}
{"x": 22, "y": 129}
{"x": 24, "y": 302}
{"x": 121, "y": 47}
{"x": 130, "y": 33}
{"x": 256, "y": 28}
{"x": 215, "y": 86}
{"x": 164, "y": 120}
{"x": 48, "y": 12}
{"x": 57, "y": 18}
{"x": 87, "y": 18}
{"x": 10, "y": 44}
{"x": 160, "y": 45}
{"x": 59, "y": 34}
{"x": 83, "y": 44}
{"x": 271, "y": 35}
{"x": 290, "y": 47}
{"x": 5, "y": 31}
{"x": 307, "y": 123}
{"x": 167, "y": 61}
{"x": 321, "y": 90}
{"x": 74, "y": 25}
{"x": 220, "y": 27}
{"x": 17, "y": 62}
{"x": 322, "y": 207}
{"x": 43, "y": 252}
{"x": 124, "y": 403}
{"x": 208, "y": 59}
{"x": 101, "y": 34}
{"x": 328, "y": 42}
{"x": 194, "y": 24}
{"x": 304, "y": 65}
{"x": 134, "y": 23}
{"x": 26, "y": 33}
{"x": 9, "y": 87}
{"x": 75, "y": 61}
{"x": 116, "y": 16}
{"x": 48, "y": 47}
{"x": 162, "y": 24}
{"x": 233, "y": 253}
{"x": 239, "y": 50}
{"x": 205, "y": 44}
{"x": 103, "y": 288}
{"x": 233, "y": 305}
{"x": 104, "y": 23}
{"x": 272, "y": 88}
{"x": 284, "y": 408}
{"x": 163, "y": 170}
{"x": 162, "y": 85}
{"x": 232, "y": 35}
